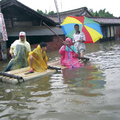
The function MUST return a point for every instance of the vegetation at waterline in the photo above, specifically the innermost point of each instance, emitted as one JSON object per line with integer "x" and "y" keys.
{"x": 100, "y": 13}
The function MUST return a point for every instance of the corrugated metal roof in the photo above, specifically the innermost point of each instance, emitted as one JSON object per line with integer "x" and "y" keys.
{"x": 103, "y": 20}
{"x": 80, "y": 11}
{"x": 74, "y": 12}
{"x": 34, "y": 31}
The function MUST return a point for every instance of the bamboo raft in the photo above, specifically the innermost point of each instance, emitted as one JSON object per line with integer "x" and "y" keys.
{"x": 22, "y": 75}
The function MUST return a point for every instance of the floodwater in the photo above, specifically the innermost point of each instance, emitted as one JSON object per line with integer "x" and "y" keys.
{"x": 88, "y": 93}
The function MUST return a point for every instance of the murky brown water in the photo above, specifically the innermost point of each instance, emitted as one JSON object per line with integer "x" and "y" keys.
{"x": 89, "y": 93}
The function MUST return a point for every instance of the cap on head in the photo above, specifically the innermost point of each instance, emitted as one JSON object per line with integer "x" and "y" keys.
{"x": 22, "y": 34}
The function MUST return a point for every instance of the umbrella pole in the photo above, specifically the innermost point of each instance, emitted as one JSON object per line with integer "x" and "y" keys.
{"x": 58, "y": 36}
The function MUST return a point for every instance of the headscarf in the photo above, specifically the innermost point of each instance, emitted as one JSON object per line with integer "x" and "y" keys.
{"x": 69, "y": 39}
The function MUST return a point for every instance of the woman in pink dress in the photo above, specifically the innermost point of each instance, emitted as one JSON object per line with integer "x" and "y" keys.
{"x": 69, "y": 57}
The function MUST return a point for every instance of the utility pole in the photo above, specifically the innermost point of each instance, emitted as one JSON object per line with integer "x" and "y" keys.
{"x": 3, "y": 36}
{"x": 57, "y": 11}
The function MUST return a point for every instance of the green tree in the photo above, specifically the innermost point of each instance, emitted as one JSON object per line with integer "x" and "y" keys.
{"x": 41, "y": 12}
{"x": 101, "y": 13}
{"x": 50, "y": 13}
{"x": 45, "y": 13}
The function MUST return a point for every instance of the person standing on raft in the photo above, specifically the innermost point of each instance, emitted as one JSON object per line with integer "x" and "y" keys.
{"x": 69, "y": 57}
{"x": 37, "y": 59}
{"x": 78, "y": 40}
{"x": 19, "y": 51}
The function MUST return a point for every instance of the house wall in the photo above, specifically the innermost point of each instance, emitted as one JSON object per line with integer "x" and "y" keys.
{"x": 10, "y": 24}
{"x": 117, "y": 33}
{"x": 24, "y": 24}
{"x": 53, "y": 45}
{"x": 108, "y": 32}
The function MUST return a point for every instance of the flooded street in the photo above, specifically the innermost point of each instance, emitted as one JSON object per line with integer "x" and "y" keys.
{"x": 88, "y": 93}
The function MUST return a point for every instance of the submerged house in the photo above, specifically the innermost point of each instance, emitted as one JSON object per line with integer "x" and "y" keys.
{"x": 19, "y": 17}
{"x": 110, "y": 26}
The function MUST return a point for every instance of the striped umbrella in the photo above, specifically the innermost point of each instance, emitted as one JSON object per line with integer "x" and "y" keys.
{"x": 90, "y": 28}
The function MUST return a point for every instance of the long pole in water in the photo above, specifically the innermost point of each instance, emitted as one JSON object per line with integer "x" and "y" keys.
{"x": 58, "y": 36}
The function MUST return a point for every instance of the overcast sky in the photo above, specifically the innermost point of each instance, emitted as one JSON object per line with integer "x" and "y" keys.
{"x": 112, "y": 6}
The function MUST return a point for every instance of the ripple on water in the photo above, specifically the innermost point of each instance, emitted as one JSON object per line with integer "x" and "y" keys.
{"x": 91, "y": 92}
{"x": 105, "y": 59}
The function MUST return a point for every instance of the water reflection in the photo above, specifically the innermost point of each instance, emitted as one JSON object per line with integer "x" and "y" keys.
{"x": 84, "y": 80}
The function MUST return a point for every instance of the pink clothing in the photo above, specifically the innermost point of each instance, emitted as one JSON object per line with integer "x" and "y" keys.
{"x": 68, "y": 58}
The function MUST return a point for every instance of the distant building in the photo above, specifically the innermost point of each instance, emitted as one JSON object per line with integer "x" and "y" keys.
{"x": 76, "y": 12}
{"x": 109, "y": 25}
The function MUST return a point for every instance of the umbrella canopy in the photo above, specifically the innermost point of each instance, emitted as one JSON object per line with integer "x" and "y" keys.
{"x": 90, "y": 28}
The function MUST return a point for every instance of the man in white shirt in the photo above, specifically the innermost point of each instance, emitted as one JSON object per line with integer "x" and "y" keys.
{"x": 78, "y": 40}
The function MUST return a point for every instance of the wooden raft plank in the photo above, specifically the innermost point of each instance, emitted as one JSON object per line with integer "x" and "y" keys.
{"x": 21, "y": 72}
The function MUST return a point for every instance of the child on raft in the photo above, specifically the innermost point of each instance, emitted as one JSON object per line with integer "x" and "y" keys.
{"x": 37, "y": 59}
{"x": 69, "y": 57}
